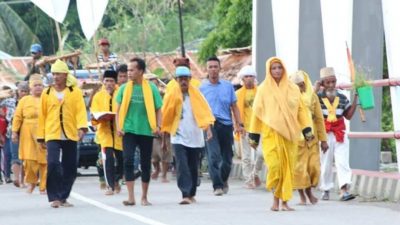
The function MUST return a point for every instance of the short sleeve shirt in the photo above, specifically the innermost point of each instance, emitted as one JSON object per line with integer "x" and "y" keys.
{"x": 220, "y": 97}
{"x": 136, "y": 120}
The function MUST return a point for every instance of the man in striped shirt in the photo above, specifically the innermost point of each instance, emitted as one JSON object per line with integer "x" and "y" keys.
{"x": 335, "y": 108}
{"x": 106, "y": 55}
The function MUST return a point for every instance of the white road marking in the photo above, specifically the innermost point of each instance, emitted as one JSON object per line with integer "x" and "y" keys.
{"x": 115, "y": 210}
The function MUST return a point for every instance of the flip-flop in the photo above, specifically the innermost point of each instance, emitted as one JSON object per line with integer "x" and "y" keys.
{"x": 185, "y": 202}
{"x": 347, "y": 197}
{"x": 274, "y": 209}
{"x": 128, "y": 203}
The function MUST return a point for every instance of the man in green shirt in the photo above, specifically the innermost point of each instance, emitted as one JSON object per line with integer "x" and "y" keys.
{"x": 138, "y": 120}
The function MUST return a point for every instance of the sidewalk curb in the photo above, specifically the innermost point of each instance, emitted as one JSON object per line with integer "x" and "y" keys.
{"x": 367, "y": 184}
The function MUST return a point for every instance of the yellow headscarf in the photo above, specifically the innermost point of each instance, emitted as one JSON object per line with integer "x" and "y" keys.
{"x": 172, "y": 109}
{"x": 277, "y": 106}
{"x": 35, "y": 79}
{"x": 61, "y": 67}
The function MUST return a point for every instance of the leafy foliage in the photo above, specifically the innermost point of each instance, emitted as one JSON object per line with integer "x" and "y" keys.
{"x": 233, "y": 27}
{"x": 16, "y": 36}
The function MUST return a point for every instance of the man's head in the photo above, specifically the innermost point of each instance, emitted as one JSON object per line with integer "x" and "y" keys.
{"x": 36, "y": 51}
{"x": 328, "y": 81}
{"x": 213, "y": 68}
{"x": 248, "y": 75}
{"x": 60, "y": 73}
{"x": 109, "y": 80}
{"x": 183, "y": 76}
{"x": 122, "y": 74}
{"x": 136, "y": 68}
{"x": 104, "y": 45}
{"x": 36, "y": 84}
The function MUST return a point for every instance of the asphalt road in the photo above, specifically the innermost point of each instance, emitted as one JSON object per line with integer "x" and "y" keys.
{"x": 240, "y": 206}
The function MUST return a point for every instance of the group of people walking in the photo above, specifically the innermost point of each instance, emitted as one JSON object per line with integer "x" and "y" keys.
{"x": 295, "y": 129}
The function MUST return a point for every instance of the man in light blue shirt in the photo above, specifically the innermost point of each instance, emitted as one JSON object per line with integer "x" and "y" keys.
{"x": 221, "y": 97}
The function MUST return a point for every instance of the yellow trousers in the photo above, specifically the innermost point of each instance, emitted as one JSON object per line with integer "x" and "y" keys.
{"x": 32, "y": 169}
{"x": 307, "y": 169}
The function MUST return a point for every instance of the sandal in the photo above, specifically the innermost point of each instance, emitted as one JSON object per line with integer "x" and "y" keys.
{"x": 185, "y": 202}
{"x": 55, "y": 204}
{"x": 128, "y": 203}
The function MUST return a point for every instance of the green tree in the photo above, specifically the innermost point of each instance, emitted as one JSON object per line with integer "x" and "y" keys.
{"x": 16, "y": 36}
{"x": 233, "y": 27}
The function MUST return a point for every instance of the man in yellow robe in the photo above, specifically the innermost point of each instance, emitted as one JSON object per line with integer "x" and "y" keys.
{"x": 24, "y": 129}
{"x": 252, "y": 160}
{"x": 111, "y": 144}
{"x": 62, "y": 123}
{"x": 308, "y": 169}
{"x": 185, "y": 114}
{"x": 280, "y": 116}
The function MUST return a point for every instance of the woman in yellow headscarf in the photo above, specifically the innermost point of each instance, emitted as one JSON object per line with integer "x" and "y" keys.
{"x": 24, "y": 129}
{"x": 279, "y": 116}
{"x": 307, "y": 169}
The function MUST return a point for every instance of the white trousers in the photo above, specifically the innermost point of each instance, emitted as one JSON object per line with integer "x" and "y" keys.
{"x": 252, "y": 160}
{"x": 340, "y": 153}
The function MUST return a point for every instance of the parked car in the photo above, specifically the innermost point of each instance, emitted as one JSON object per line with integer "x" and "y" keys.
{"x": 88, "y": 149}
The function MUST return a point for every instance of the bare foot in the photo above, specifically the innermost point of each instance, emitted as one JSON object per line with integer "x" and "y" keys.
{"x": 117, "y": 188}
{"x": 164, "y": 180}
{"x": 155, "y": 174}
{"x": 249, "y": 186}
{"x": 30, "y": 189}
{"x": 145, "y": 202}
{"x": 285, "y": 207}
{"x": 257, "y": 181}
{"x": 275, "y": 209}
{"x": 313, "y": 200}
{"x": 43, "y": 192}
{"x": 192, "y": 199}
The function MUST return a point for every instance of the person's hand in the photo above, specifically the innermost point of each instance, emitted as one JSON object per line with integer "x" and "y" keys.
{"x": 324, "y": 146}
{"x": 209, "y": 134}
{"x": 240, "y": 129}
{"x": 81, "y": 133}
{"x": 157, "y": 132}
{"x": 14, "y": 137}
{"x": 120, "y": 133}
{"x": 317, "y": 85}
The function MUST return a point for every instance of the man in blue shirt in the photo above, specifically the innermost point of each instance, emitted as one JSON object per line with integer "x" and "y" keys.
{"x": 221, "y": 97}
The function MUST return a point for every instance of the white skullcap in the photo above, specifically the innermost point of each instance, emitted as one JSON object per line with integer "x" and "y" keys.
{"x": 247, "y": 71}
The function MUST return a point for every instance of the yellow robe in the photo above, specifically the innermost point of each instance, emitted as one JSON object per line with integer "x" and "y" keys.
{"x": 25, "y": 122}
{"x": 307, "y": 171}
{"x": 279, "y": 115}
{"x": 105, "y": 137}
{"x": 73, "y": 114}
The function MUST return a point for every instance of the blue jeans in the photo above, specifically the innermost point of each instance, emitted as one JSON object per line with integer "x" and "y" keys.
{"x": 9, "y": 147}
{"x": 220, "y": 153}
{"x": 187, "y": 160}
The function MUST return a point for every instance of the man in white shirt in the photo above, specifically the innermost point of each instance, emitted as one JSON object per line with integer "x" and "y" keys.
{"x": 185, "y": 114}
